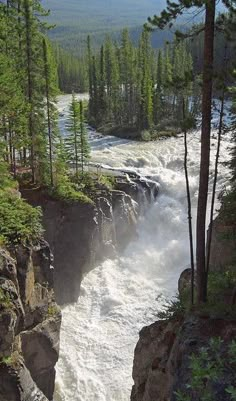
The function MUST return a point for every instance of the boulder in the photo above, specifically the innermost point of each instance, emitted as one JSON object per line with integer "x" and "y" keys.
{"x": 185, "y": 281}
{"x": 40, "y": 349}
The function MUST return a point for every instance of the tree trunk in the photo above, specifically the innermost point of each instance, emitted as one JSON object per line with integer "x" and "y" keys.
{"x": 205, "y": 149}
{"x": 47, "y": 90}
{"x": 215, "y": 182}
{"x": 27, "y": 12}
{"x": 189, "y": 207}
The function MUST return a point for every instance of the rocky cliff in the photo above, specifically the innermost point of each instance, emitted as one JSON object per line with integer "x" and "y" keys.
{"x": 162, "y": 358}
{"x": 81, "y": 234}
{"x": 29, "y": 324}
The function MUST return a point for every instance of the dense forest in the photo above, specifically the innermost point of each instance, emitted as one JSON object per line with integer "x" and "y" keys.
{"x": 32, "y": 149}
{"x": 135, "y": 89}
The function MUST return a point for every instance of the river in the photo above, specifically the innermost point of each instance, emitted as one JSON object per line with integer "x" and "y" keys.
{"x": 121, "y": 296}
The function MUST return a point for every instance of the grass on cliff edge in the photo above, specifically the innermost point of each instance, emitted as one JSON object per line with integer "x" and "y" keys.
{"x": 68, "y": 191}
{"x": 20, "y": 223}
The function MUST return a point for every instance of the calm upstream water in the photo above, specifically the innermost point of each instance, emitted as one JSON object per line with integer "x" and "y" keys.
{"x": 120, "y": 296}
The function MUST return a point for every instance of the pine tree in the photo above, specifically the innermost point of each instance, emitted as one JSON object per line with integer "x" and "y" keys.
{"x": 112, "y": 82}
{"x": 32, "y": 48}
{"x": 84, "y": 147}
{"x": 51, "y": 91}
{"x": 145, "y": 113}
{"x": 102, "y": 88}
{"x": 127, "y": 78}
{"x": 72, "y": 140}
{"x": 77, "y": 145}
{"x": 158, "y": 90}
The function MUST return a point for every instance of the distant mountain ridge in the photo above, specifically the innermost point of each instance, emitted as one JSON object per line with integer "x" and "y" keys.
{"x": 106, "y": 14}
{"x": 75, "y": 19}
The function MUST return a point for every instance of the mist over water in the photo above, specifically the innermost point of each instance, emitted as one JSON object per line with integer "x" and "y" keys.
{"x": 120, "y": 296}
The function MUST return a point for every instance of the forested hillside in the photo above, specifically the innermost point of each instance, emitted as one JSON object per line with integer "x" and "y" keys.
{"x": 101, "y": 15}
{"x": 75, "y": 19}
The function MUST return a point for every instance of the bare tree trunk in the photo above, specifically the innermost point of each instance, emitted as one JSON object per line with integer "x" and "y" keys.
{"x": 205, "y": 149}
{"x": 14, "y": 162}
{"x": 27, "y": 15}
{"x": 47, "y": 90}
{"x": 189, "y": 207}
{"x": 215, "y": 183}
{"x": 6, "y": 138}
{"x": 82, "y": 137}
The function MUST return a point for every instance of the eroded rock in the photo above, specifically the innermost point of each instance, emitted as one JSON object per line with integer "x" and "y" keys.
{"x": 161, "y": 360}
{"x": 29, "y": 325}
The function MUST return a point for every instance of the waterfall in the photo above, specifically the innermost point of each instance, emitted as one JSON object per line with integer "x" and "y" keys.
{"x": 120, "y": 296}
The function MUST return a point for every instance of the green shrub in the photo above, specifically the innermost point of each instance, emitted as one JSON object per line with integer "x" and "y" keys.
{"x": 6, "y": 360}
{"x": 88, "y": 182}
{"x": 220, "y": 290}
{"x": 212, "y": 369}
{"x": 219, "y": 282}
{"x": 19, "y": 222}
{"x": 5, "y": 299}
{"x": 84, "y": 182}
{"x": 52, "y": 310}
{"x": 68, "y": 191}
{"x": 108, "y": 181}
{"x": 172, "y": 308}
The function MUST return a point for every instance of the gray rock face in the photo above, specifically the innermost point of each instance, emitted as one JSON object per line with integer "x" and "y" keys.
{"x": 16, "y": 384}
{"x": 184, "y": 283}
{"x": 29, "y": 325}
{"x": 8, "y": 321}
{"x": 40, "y": 348}
{"x": 82, "y": 234}
{"x": 153, "y": 373}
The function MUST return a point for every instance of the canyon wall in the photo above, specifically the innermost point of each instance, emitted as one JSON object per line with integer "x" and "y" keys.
{"x": 29, "y": 324}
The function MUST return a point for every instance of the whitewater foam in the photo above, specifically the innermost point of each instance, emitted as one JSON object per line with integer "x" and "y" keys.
{"x": 120, "y": 296}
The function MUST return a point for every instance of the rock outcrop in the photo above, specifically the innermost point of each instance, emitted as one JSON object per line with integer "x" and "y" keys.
{"x": 81, "y": 234}
{"x": 161, "y": 360}
{"x": 162, "y": 356}
{"x": 29, "y": 324}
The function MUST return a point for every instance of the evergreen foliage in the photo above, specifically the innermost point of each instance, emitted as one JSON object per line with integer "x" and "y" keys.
{"x": 30, "y": 142}
{"x": 19, "y": 222}
{"x": 72, "y": 71}
{"x": 76, "y": 141}
{"x": 135, "y": 88}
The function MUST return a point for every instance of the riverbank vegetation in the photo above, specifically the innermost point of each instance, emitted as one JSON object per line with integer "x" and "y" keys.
{"x": 33, "y": 152}
{"x": 136, "y": 91}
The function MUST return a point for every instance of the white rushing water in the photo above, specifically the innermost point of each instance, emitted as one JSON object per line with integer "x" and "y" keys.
{"x": 119, "y": 296}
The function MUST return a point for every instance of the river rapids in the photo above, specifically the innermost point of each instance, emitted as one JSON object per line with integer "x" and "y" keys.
{"x": 120, "y": 296}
